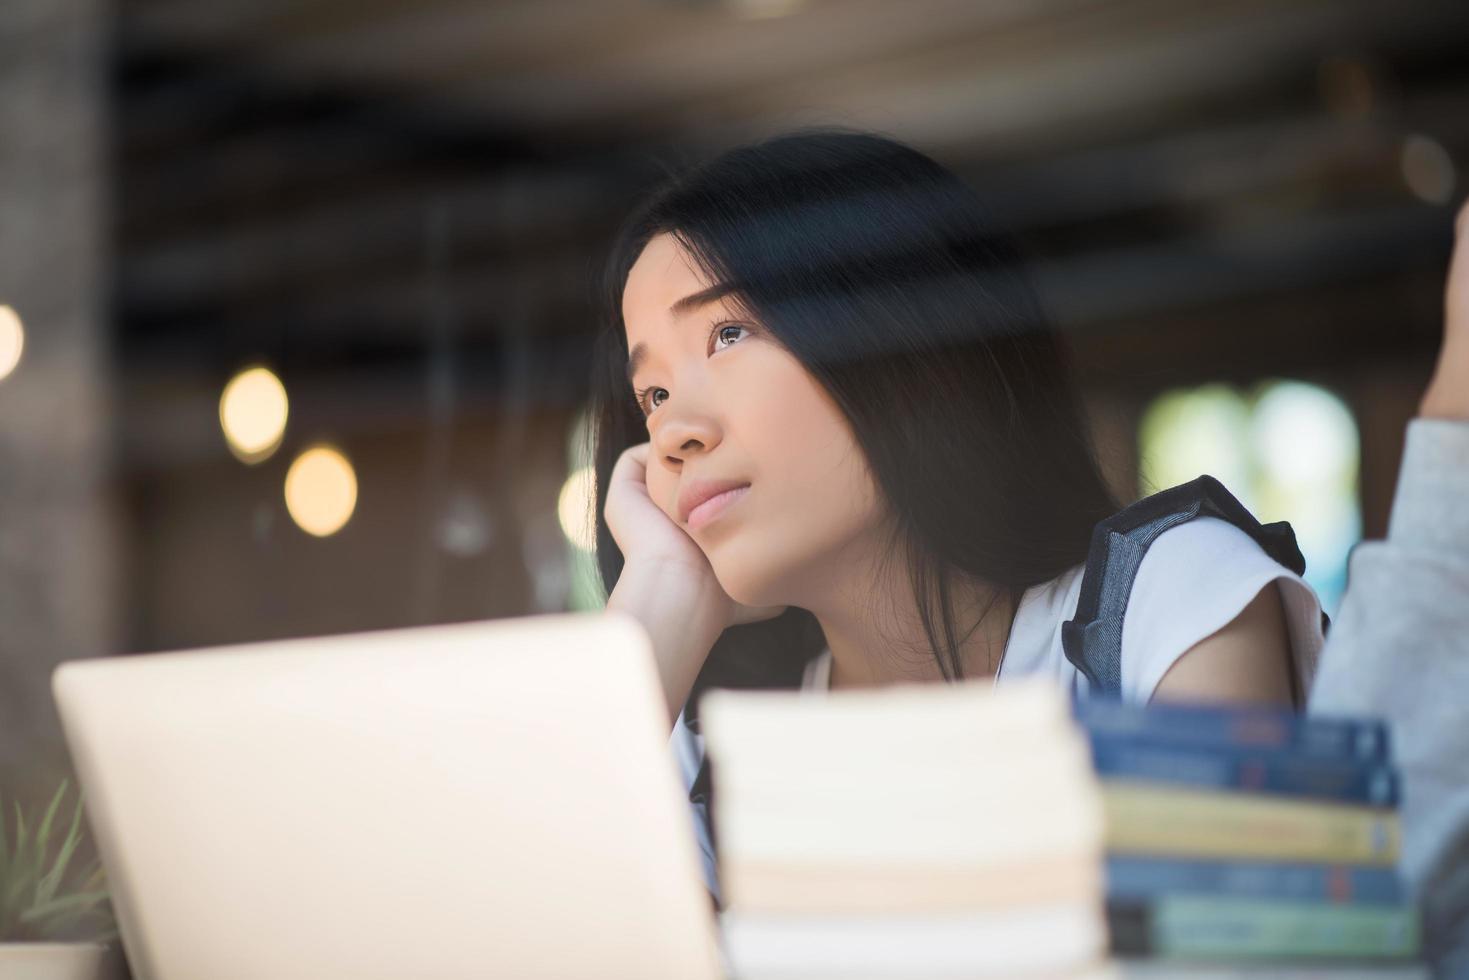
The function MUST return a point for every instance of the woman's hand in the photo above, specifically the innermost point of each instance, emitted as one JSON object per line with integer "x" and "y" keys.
{"x": 1448, "y": 393}
{"x": 648, "y": 536}
{"x": 641, "y": 529}
{"x": 667, "y": 584}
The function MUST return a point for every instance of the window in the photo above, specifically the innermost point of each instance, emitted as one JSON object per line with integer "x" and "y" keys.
{"x": 1288, "y": 450}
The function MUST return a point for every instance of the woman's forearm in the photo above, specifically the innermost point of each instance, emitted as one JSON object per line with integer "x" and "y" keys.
{"x": 682, "y": 623}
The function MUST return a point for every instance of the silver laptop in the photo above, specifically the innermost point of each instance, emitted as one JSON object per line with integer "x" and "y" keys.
{"x": 487, "y": 800}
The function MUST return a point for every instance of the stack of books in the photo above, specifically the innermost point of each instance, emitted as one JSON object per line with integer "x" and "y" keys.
{"x": 1256, "y": 841}
{"x": 918, "y": 831}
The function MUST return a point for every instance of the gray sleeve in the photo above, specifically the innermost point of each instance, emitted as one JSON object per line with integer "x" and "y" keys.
{"x": 1399, "y": 649}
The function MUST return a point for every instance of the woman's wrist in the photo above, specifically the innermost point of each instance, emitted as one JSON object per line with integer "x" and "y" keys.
{"x": 653, "y": 582}
{"x": 682, "y": 615}
{"x": 1447, "y": 397}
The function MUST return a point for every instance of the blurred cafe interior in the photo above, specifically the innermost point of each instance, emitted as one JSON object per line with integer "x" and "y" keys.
{"x": 296, "y": 296}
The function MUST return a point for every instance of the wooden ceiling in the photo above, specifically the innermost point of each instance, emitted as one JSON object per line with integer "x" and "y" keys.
{"x": 977, "y": 75}
{"x": 333, "y": 184}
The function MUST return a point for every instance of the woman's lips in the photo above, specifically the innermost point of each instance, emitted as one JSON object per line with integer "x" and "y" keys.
{"x": 711, "y": 509}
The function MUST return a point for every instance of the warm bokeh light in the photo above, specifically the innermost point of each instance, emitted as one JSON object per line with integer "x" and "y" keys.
{"x": 321, "y": 491}
{"x": 574, "y": 508}
{"x": 12, "y": 341}
{"x": 252, "y": 412}
{"x": 1428, "y": 170}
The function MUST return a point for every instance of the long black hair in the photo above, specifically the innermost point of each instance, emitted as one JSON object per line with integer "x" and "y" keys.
{"x": 877, "y": 269}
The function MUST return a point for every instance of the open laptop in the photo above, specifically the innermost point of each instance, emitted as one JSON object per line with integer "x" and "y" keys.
{"x": 486, "y": 800}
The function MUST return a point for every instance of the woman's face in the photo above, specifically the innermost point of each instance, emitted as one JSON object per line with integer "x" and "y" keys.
{"x": 725, "y": 401}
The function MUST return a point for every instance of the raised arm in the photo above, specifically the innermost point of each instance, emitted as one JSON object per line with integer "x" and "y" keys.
{"x": 1400, "y": 646}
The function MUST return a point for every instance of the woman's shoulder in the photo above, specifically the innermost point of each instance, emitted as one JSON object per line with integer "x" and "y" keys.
{"x": 1193, "y": 581}
{"x": 1201, "y": 536}
{"x": 1200, "y": 564}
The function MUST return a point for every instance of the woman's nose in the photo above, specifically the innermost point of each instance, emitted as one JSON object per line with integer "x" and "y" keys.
{"x": 684, "y": 434}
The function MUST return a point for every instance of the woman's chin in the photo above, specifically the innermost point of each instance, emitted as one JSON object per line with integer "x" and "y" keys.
{"x": 748, "y": 590}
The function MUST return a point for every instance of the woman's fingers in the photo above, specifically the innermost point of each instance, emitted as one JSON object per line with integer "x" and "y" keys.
{"x": 634, "y": 460}
{"x": 632, "y": 467}
{"x": 1447, "y": 396}
{"x": 641, "y": 528}
{"x": 1456, "y": 295}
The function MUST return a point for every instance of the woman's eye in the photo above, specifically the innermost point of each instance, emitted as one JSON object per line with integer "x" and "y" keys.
{"x": 645, "y": 398}
{"x": 721, "y": 333}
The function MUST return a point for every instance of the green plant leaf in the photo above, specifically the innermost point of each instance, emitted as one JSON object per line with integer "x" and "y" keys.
{"x": 85, "y": 921}
{"x": 22, "y": 871}
{"x": 95, "y": 878}
{"x": 45, "y": 896}
{"x": 67, "y": 903}
{"x": 46, "y": 890}
{"x": 43, "y": 832}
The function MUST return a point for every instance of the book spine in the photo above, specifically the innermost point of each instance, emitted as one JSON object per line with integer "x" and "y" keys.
{"x": 1140, "y": 878}
{"x": 1164, "y": 821}
{"x": 1252, "y": 770}
{"x": 1140, "y": 969}
{"x": 1365, "y": 740}
{"x": 1218, "y": 927}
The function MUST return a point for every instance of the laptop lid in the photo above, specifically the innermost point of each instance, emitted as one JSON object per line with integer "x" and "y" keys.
{"x": 488, "y": 799}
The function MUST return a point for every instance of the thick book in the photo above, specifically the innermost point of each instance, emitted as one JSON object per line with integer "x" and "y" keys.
{"x": 1363, "y": 739}
{"x": 1045, "y": 940}
{"x": 1251, "y": 769}
{"x": 1146, "y": 818}
{"x": 922, "y": 777}
{"x": 1140, "y": 877}
{"x": 1238, "y": 929}
{"x": 847, "y": 889}
{"x": 929, "y": 829}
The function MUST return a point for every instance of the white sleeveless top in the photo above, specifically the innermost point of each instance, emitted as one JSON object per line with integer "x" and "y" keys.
{"x": 1193, "y": 581}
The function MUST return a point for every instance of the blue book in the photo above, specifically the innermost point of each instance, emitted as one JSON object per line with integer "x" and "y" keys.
{"x": 1131, "y": 878}
{"x": 1364, "y": 739}
{"x": 1204, "y": 927}
{"x": 1247, "y": 769}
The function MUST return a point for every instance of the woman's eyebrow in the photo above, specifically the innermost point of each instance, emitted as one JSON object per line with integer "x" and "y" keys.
{"x": 704, "y": 296}
{"x": 680, "y": 307}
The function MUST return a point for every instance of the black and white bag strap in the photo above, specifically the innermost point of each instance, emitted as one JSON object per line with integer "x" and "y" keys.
{"x": 1092, "y": 640}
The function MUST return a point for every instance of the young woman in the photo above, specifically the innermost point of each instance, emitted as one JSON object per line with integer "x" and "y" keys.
{"x": 837, "y": 446}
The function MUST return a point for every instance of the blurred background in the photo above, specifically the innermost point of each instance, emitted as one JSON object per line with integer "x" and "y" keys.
{"x": 296, "y": 295}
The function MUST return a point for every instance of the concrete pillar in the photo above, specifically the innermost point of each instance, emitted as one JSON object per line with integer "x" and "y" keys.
{"x": 57, "y": 534}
